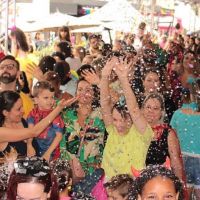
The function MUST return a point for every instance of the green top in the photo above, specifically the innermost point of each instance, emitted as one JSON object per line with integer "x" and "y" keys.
{"x": 90, "y": 150}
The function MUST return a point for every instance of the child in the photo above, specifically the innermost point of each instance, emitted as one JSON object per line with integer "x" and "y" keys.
{"x": 48, "y": 141}
{"x": 157, "y": 182}
{"x": 118, "y": 187}
{"x": 63, "y": 173}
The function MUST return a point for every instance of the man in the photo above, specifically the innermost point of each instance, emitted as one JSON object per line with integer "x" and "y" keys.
{"x": 139, "y": 36}
{"x": 94, "y": 46}
{"x": 9, "y": 74}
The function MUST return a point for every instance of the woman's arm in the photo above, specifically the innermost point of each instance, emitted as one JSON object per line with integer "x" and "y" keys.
{"x": 13, "y": 135}
{"x": 105, "y": 98}
{"x": 175, "y": 155}
{"x": 122, "y": 70}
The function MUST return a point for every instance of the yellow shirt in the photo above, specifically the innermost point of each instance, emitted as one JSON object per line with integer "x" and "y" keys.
{"x": 24, "y": 63}
{"x": 125, "y": 151}
{"x": 27, "y": 104}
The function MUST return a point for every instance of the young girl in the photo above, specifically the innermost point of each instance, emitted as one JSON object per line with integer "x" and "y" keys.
{"x": 63, "y": 173}
{"x": 118, "y": 187}
{"x": 129, "y": 133}
{"x": 157, "y": 182}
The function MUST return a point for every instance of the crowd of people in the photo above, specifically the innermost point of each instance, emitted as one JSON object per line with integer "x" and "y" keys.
{"x": 105, "y": 122}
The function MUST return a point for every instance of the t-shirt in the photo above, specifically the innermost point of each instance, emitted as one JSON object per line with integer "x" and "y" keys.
{"x": 187, "y": 127}
{"x": 74, "y": 63}
{"x": 24, "y": 63}
{"x": 27, "y": 104}
{"x": 125, "y": 151}
{"x": 46, "y": 137}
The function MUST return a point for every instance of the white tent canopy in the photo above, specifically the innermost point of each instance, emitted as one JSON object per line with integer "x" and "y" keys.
{"x": 116, "y": 11}
{"x": 96, "y": 29}
{"x": 53, "y": 20}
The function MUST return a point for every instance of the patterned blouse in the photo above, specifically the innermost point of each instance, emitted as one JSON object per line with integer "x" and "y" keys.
{"x": 87, "y": 142}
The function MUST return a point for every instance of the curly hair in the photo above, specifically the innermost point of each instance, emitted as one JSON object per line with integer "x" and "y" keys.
{"x": 151, "y": 172}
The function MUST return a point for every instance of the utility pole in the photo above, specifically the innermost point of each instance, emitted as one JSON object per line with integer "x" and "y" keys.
{"x": 6, "y": 26}
{"x": 153, "y": 5}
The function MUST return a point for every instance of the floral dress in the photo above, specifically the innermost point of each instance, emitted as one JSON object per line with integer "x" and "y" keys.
{"x": 86, "y": 143}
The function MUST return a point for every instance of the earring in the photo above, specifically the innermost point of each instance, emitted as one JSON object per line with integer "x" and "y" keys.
{"x": 69, "y": 188}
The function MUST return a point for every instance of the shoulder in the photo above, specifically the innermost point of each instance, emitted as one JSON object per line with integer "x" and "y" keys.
{"x": 25, "y": 97}
{"x": 96, "y": 113}
{"x": 110, "y": 129}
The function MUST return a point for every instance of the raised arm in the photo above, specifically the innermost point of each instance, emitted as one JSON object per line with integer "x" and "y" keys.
{"x": 105, "y": 98}
{"x": 122, "y": 70}
{"x": 13, "y": 135}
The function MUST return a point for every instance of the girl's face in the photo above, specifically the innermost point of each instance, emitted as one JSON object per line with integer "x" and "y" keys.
{"x": 63, "y": 34}
{"x": 85, "y": 92}
{"x": 30, "y": 191}
{"x": 121, "y": 124}
{"x": 151, "y": 82}
{"x": 159, "y": 188}
{"x": 16, "y": 113}
{"x": 152, "y": 111}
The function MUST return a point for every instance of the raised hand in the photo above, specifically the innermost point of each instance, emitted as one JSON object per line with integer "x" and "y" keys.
{"x": 30, "y": 68}
{"x": 37, "y": 72}
{"x": 65, "y": 103}
{"x": 123, "y": 67}
{"x": 110, "y": 64}
{"x": 91, "y": 77}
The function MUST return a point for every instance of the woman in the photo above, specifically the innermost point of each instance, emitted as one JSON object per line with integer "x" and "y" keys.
{"x": 157, "y": 182}
{"x": 189, "y": 71}
{"x": 32, "y": 179}
{"x": 186, "y": 123}
{"x": 153, "y": 82}
{"x": 19, "y": 49}
{"x": 63, "y": 34}
{"x": 129, "y": 133}
{"x": 11, "y": 113}
{"x": 84, "y": 136}
{"x": 11, "y": 135}
{"x": 165, "y": 143}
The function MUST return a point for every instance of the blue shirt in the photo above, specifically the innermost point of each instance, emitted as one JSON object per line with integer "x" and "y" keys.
{"x": 187, "y": 127}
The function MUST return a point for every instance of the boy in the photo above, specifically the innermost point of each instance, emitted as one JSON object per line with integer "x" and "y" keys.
{"x": 48, "y": 141}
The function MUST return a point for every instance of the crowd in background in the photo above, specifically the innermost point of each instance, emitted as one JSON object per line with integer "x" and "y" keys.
{"x": 109, "y": 121}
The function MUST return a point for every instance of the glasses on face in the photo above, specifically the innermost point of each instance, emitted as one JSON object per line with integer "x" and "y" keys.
{"x": 7, "y": 66}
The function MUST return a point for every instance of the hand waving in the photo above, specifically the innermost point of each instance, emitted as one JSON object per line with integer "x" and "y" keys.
{"x": 65, "y": 103}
